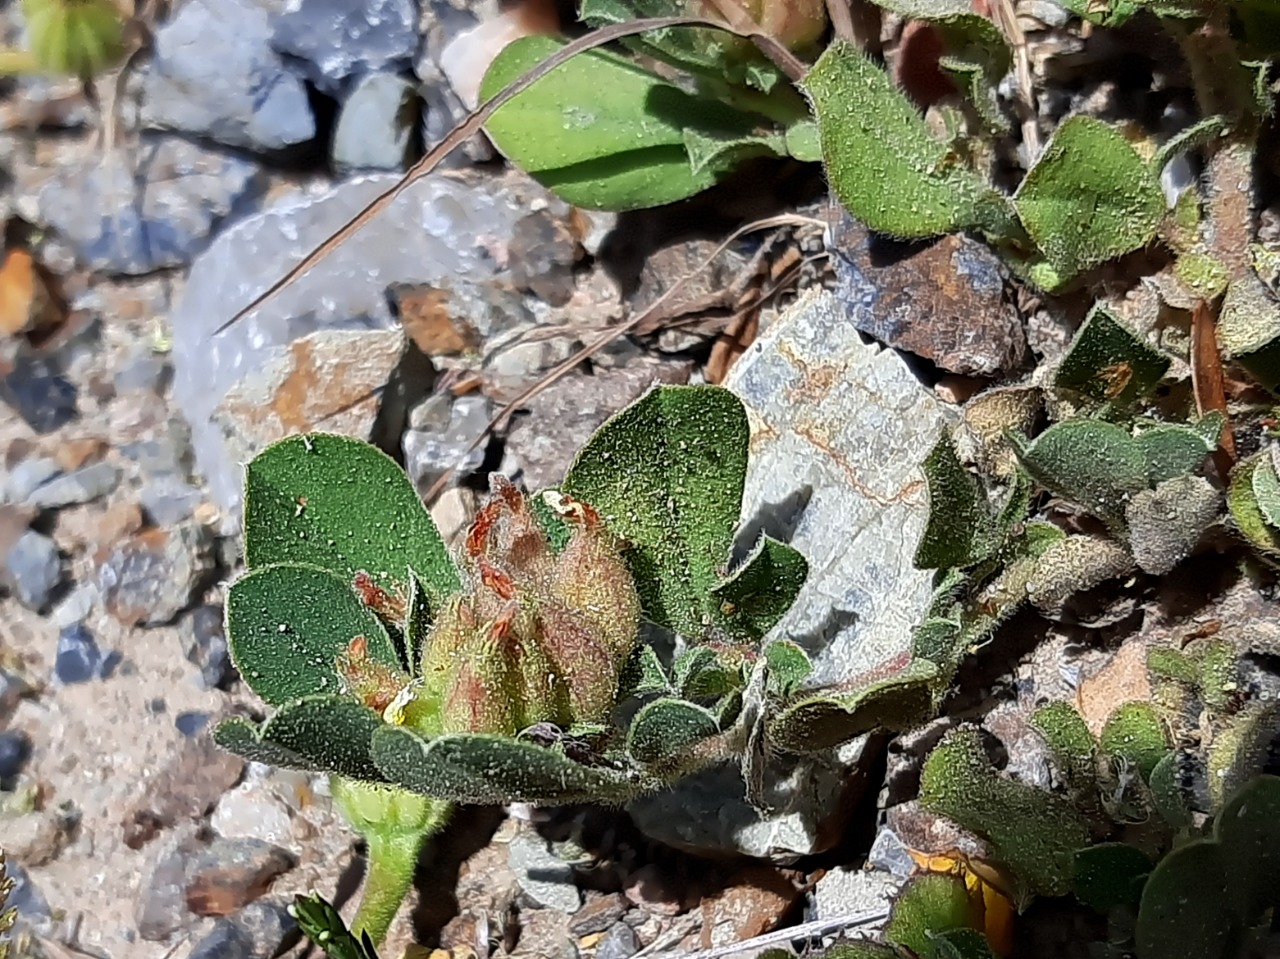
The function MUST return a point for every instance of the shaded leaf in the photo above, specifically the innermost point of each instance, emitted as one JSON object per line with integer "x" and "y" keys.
{"x": 963, "y": 944}
{"x": 1110, "y": 875}
{"x": 316, "y": 733}
{"x": 1245, "y": 511}
{"x": 287, "y": 624}
{"x": 1166, "y": 927}
{"x": 1248, "y": 830}
{"x": 476, "y": 768}
{"x": 1108, "y": 362}
{"x": 959, "y": 531}
{"x": 643, "y": 674}
{"x": 666, "y": 728}
{"x": 1093, "y": 464}
{"x": 928, "y": 905}
{"x": 759, "y": 592}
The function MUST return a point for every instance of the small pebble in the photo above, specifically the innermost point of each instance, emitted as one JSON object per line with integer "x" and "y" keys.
{"x": 76, "y": 607}
{"x": 144, "y": 372}
{"x": 229, "y": 873}
{"x": 619, "y": 942}
{"x": 190, "y": 723}
{"x": 15, "y": 750}
{"x": 168, "y": 501}
{"x": 79, "y": 659}
{"x": 25, "y": 477}
{"x": 207, "y": 648}
{"x": 267, "y": 925}
{"x": 82, "y": 486}
{"x": 32, "y": 569}
{"x": 29, "y": 903}
{"x": 544, "y": 877}
{"x": 149, "y": 579}
{"x": 37, "y": 391}
{"x": 225, "y": 941}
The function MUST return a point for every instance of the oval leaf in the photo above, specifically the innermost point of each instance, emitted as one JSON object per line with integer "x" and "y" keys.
{"x": 286, "y": 625}
{"x": 316, "y": 733}
{"x": 665, "y": 728}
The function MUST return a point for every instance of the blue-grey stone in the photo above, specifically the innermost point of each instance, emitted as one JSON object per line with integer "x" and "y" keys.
{"x": 80, "y": 486}
{"x": 207, "y": 648}
{"x": 375, "y": 125}
{"x": 168, "y": 501}
{"x": 334, "y": 40}
{"x": 159, "y": 214}
{"x": 619, "y": 942}
{"x": 32, "y": 569}
{"x": 26, "y": 900}
{"x": 215, "y": 75}
{"x": 15, "y": 750}
{"x": 38, "y": 392}
{"x": 224, "y": 941}
{"x": 79, "y": 659}
{"x": 22, "y": 480}
{"x": 191, "y": 722}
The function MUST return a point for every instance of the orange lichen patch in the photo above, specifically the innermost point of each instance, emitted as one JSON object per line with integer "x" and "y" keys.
{"x": 989, "y": 898}
{"x": 424, "y": 312}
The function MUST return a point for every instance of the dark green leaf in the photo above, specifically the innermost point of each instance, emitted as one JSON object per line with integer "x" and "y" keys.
{"x": 286, "y": 625}
{"x": 643, "y": 674}
{"x": 759, "y": 592}
{"x": 1110, "y": 875}
{"x": 959, "y": 532}
{"x": 963, "y": 944}
{"x": 666, "y": 728}
{"x": 789, "y": 666}
{"x": 316, "y": 733}
{"x": 1109, "y": 363}
{"x": 1185, "y": 911}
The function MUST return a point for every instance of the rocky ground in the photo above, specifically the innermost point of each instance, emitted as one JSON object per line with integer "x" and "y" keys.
{"x": 253, "y": 130}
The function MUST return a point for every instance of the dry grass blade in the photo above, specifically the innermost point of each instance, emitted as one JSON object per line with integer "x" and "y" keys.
{"x": 603, "y": 340}
{"x": 1207, "y": 382}
{"x": 808, "y": 930}
{"x": 477, "y": 118}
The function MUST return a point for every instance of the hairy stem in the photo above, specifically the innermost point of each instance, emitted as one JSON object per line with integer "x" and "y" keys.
{"x": 392, "y": 861}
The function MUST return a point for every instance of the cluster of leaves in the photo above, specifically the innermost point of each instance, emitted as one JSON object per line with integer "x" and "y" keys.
{"x": 603, "y": 131}
{"x": 77, "y": 37}
{"x": 418, "y": 679}
{"x": 8, "y": 916}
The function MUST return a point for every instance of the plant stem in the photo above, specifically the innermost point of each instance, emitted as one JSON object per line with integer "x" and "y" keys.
{"x": 392, "y": 861}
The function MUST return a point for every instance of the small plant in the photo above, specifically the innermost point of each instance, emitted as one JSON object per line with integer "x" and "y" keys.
{"x": 77, "y": 37}
{"x": 8, "y": 916}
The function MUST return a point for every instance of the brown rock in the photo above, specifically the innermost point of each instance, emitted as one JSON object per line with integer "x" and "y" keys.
{"x": 942, "y": 300}
{"x": 229, "y": 873}
{"x": 150, "y": 577}
{"x": 753, "y": 905}
{"x": 598, "y": 913}
{"x": 1122, "y": 680}
{"x": 654, "y": 892}
{"x": 73, "y": 454}
{"x": 425, "y": 313}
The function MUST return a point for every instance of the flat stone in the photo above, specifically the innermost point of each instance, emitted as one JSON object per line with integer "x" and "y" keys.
{"x": 839, "y": 429}
{"x": 375, "y": 125}
{"x": 23, "y": 478}
{"x": 849, "y": 892}
{"x": 598, "y": 913}
{"x": 433, "y": 448}
{"x": 122, "y": 218}
{"x": 81, "y": 486}
{"x": 335, "y": 40}
{"x": 751, "y": 905}
{"x": 150, "y": 577}
{"x": 543, "y": 876}
{"x": 168, "y": 501}
{"x": 32, "y": 569}
{"x": 440, "y": 231}
{"x": 213, "y": 74}
{"x": 253, "y": 810}
{"x": 942, "y": 300}
{"x": 619, "y": 942}
{"x": 229, "y": 873}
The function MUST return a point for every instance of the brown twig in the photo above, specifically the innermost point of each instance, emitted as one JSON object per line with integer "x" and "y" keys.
{"x": 1208, "y": 384}
{"x": 1025, "y": 101}
{"x": 477, "y": 118}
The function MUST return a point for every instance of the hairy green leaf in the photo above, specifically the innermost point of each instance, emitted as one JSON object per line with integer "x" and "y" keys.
{"x": 1108, "y": 362}
{"x": 881, "y": 161}
{"x": 344, "y": 506}
{"x": 666, "y": 728}
{"x": 959, "y": 531}
{"x": 1135, "y": 734}
{"x": 1248, "y": 515}
{"x": 286, "y": 625}
{"x": 789, "y": 666}
{"x": 1167, "y": 928}
{"x": 1093, "y": 464}
{"x": 316, "y": 733}
{"x": 926, "y": 906}
{"x": 1089, "y": 198}
{"x": 760, "y": 591}
{"x": 1110, "y": 875}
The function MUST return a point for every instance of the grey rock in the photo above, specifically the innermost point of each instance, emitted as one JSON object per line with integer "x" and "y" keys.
{"x": 431, "y": 234}
{"x": 143, "y": 371}
{"x": 847, "y": 892}
{"x": 375, "y": 125}
{"x": 215, "y": 75}
{"x": 121, "y": 219}
{"x": 78, "y": 658}
{"x": 839, "y": 430}
{"x": 267, "y": 925}
{"x": 338, "y": 39}
{"x": 22, "y": 480}
{"x": 32, "y": 569}
{"x": 431, "y": 447}
{"x": 598, "y": 913}
{"x": 76, "y": 607}
{"x": 37, "y": 391}
{"x": 163, "y": 457}
{"x": 15, "y": 750}
{"x": 207, "y": 648}
{"x": 27, "y": 900}
{"x": 543, "y": 876}
{"x": 160, "y": 909}
{"x": 890, "y": 854}
{"x": 224, "y": 941}
{"x": 12, "y": 688}
{"x": 80, "y": 486}
{"x": 708, "y": 812}
{"x": 619, "y": 942}
{"x": 149, "y": 578}
{"x": 168, "y": 501}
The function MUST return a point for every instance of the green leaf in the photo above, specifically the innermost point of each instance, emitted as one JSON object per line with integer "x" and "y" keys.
{"x": 1068, "y": 738}
{"x": 1245, "y": 511}
{"x": 323, "y": 925}
{"x": 1093, "y": 464}
{"x": 80, "y": 39}
{"x": 830, "y": 719}
{"x": 286, "y": 625}
{"x": 881, "y": 161}
{"x": 476, "y": 768}
{"x": 959, "y": 531}
{"x": 928, "y": 905}
{"x": 1167, "y": 795}
{"x": 1110, "y": 875}
{"x": 1090, "y": 198}
{"x": 789, "y": 666}
{"x": 700, "y": 674}
{"x": 1033, "y": 832}
{"x": 665, "y": 728}
{"x": 643, "y": 674}
{"x": 963, "y": 944}
{"x": 1172, "y": 451}
{"x": 803, "y": 141}
{"x": 1266, "y": 488}
{"x": 1248, "y": 830}
{"x": 667, "y": 474}
{"x": 316, "y": 733}
{"x": 725, "y": 151}
{"x": 759, "y": 592}
{"x": 417, "y": 624}
{"x": 1167, "y": 929}
{"x": 1108, "y": 362}
{"x": 1249, "y": 329}
{"x": 1134, "y": 733}
{"x": 344, "y": 506}
{"x": 601, "y": 132}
